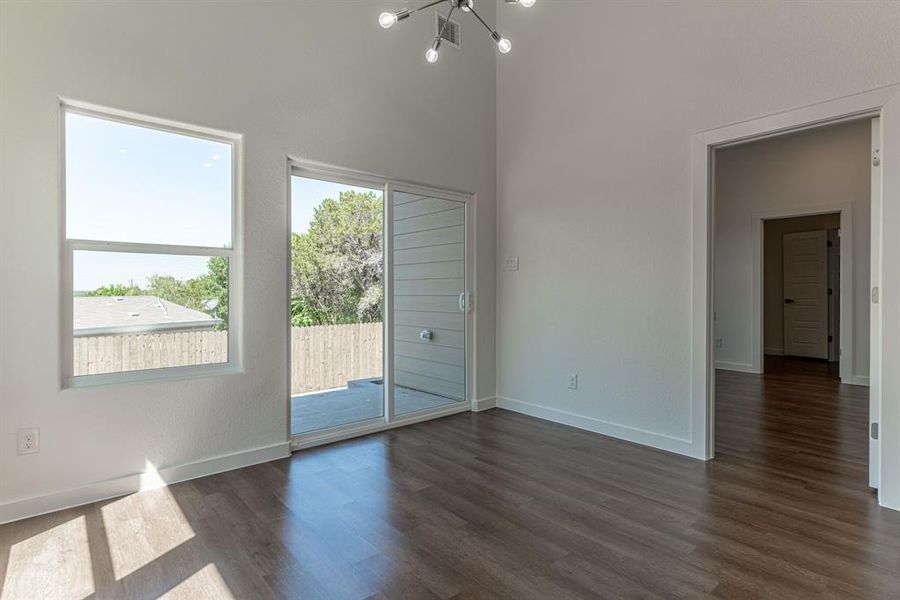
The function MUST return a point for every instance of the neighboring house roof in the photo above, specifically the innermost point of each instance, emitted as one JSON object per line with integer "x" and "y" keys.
{"x": 109, "y": 315}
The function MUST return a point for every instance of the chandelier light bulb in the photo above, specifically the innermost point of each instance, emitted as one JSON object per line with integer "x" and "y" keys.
{"x": 431, "y": 55}
{"x": 387, "y": 19}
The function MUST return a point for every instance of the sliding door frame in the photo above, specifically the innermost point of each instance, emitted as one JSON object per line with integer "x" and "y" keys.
{"x": 389, "y": 420}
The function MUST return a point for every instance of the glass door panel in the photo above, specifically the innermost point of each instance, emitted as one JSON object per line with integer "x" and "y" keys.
{"x": 429, "y": 304}
{"x": 337, "y": 304}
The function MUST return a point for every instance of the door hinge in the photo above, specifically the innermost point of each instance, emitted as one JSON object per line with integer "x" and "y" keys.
{"x": 873, "y": 430}
{"x": 830, "y": 292}
{"x": 876, "y": 158}
{"x": 830, "y": 243}
{"x": 830, "y": 338}
{"x": 875, "y": 295}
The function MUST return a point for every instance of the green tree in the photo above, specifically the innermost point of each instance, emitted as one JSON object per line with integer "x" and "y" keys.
{"x": 207, "y": 293}
{"x": 336, "y": 267}
{"x": 116, "y": 289}
{"x": 216, "y": 289}
{"x": 301, "y": 314}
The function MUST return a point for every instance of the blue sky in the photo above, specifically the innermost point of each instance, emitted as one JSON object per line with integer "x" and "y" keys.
{"x": 135, "y": 184}
{"x": 127, "y": 183}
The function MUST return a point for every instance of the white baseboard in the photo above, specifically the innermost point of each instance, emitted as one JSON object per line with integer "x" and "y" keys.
{"x": 129, "y": 484}
{"x": 622, "y": 432}
{"x": 484, "y": 404}
{"x": 774, "y": 351}
{"x": 858, "y": 380}
{"x": 736, "y": 366}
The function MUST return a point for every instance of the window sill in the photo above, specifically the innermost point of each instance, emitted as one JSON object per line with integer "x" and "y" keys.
{"x": 151, "y": 376}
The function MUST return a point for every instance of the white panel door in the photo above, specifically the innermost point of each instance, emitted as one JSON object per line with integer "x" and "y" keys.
{"x": 806, "y": 294}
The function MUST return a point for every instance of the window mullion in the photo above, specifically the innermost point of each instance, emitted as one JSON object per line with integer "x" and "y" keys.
{"x": 144, "y": 248}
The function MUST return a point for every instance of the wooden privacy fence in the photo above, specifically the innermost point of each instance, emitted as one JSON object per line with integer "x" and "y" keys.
{"x": 323, "y": 357}
{"x": 328, "y": 356}
{"x": 114, "y": 353}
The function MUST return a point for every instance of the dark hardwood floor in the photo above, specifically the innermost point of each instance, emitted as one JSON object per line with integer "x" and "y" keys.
{"x": 500, "y": 505}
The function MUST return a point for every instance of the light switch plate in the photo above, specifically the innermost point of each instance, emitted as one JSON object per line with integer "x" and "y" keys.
{"x": 511, "y": 263}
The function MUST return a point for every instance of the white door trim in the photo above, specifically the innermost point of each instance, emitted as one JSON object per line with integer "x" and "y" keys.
{"x": 875, "y": 321}
{"x": 861, "y": 105}
{"x": 757, "y": 291}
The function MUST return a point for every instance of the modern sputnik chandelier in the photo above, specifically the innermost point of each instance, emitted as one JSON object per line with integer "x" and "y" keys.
{"x": 387, "y": 20}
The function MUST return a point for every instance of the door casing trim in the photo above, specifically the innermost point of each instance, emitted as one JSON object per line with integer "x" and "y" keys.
{"x": 757, "y": 289}
{"x": 871, "y": 103}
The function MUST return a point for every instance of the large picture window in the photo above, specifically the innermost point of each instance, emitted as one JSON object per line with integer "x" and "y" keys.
{"x": 149, "y": 248}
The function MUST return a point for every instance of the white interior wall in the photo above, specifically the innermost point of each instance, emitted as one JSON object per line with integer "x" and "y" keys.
{"x": 597, "y": 106}
{"x": 314, "y": 80}
{"x": 820, "y": 168}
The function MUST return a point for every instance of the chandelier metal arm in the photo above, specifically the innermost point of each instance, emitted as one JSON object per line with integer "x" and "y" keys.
{"x": 387, "y": 20}
{"x": 447, "y": 22}
{"x": 429, "y": 5}
{"x": 493, "y": 33}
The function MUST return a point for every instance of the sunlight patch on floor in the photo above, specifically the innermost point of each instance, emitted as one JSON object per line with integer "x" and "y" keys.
{"x": 142, "y": 527}
{"x": 205, "y": 583}
{"x": 53, "y": 564}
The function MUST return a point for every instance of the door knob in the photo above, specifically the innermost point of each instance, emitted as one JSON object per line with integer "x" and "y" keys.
{"x": 788, "y": 300}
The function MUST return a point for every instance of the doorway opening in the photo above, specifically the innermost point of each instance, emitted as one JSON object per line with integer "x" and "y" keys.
{"x": 791, "y": 286}
{"x": 337, "y": 304}
{"x": 801, "y": 287}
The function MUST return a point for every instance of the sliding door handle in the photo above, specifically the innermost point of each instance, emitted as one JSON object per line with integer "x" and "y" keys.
{"x": 462, "y": 302}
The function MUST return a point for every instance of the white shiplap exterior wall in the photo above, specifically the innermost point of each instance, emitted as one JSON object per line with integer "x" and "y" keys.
{"x": 429, "y": 275}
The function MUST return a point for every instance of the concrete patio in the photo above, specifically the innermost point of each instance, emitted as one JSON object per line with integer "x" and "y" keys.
{"x": 359, "y": 401}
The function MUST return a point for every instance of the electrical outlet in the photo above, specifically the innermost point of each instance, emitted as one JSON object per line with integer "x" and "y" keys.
{"x": 29, "y": 441}
{"x": 511, "y": 263}
{"x": 573, "y": 381}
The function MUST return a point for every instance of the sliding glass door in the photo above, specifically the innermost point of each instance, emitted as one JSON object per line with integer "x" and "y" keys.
{"x": 429, "y": 302}
{"x": 336, "y": 304}
{"x": 379, "y": 305}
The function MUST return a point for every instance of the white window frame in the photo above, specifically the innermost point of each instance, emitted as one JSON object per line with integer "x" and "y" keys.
{"x": 68, "y": 248}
